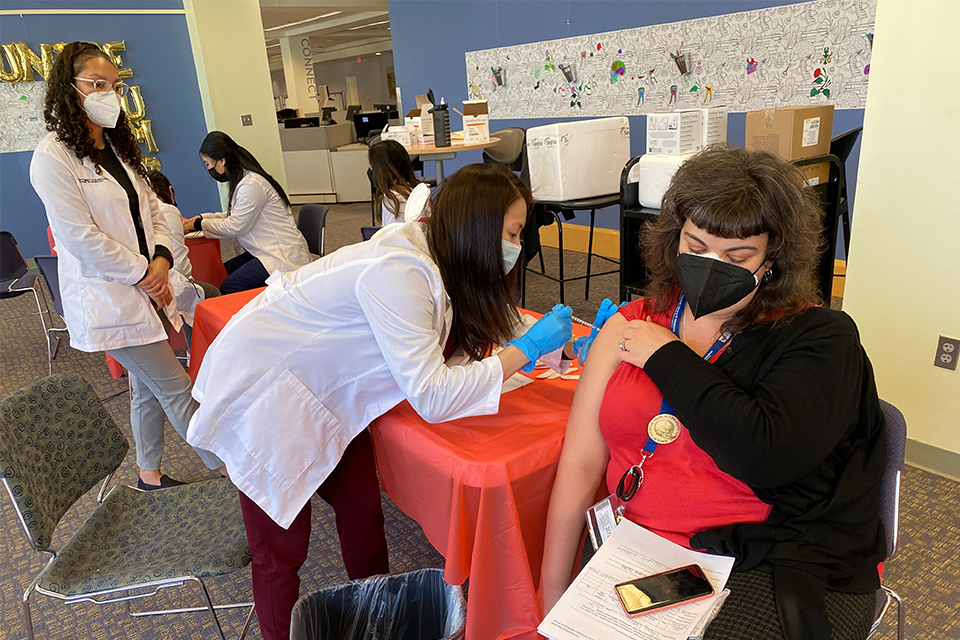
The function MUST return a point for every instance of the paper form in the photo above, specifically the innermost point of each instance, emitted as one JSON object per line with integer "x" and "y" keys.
{"x": 515, "y": 381}
{"x": 590, "y": 610}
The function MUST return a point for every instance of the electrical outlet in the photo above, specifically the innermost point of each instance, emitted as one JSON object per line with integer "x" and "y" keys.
{"x": 246, "y": 120}
{"x": 948, "y": 352}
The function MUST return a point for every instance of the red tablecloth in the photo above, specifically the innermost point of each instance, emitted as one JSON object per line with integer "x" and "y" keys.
{"x": 209, "y": 318}
{"x": 206, "y": 260}
{"x": 478, "y": 486}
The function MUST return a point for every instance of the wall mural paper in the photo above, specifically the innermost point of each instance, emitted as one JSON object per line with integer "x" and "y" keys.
{"x": 809, "y": 53}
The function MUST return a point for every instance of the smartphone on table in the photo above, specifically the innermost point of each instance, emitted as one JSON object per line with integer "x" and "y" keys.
{"x": 663, "y": 590}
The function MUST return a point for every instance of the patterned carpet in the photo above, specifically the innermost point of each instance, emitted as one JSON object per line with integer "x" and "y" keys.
{"x": 926, "y": 570}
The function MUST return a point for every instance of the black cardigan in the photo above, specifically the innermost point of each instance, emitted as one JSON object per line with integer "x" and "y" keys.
{"x": 791, "y": 409}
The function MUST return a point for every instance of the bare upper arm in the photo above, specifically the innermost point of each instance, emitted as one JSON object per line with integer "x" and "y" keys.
{"x": 583, "y": 440}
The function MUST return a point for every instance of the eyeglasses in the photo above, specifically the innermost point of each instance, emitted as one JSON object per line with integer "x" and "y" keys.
{"x": 104, "y": 85}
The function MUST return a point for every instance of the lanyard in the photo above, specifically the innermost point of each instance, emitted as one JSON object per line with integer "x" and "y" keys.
{"x": 633, "y": 477}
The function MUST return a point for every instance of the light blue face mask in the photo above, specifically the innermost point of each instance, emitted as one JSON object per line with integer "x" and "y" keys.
{"x": 511, "y": 252}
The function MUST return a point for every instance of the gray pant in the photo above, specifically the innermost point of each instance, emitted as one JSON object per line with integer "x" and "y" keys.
{"x": 158, "y": 386}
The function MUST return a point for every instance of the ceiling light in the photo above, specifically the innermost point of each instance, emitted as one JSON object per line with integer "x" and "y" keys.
{"x": 378, "y": 53}
{"x": 372, "y": 24}
{"x": 293, "y": 24}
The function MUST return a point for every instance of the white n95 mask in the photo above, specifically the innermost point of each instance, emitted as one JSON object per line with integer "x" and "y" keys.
{"x": 511, "y": 252}
{"x": 102, "y": 107}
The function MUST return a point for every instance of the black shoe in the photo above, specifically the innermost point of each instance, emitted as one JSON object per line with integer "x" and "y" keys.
{"x": 165, "y": 483}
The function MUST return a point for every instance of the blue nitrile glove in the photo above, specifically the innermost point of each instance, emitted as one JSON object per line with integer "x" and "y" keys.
{"x": 549, "y": 333}
{"x": 581, "y": 346}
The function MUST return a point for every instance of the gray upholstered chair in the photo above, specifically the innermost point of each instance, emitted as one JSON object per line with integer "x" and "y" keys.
{"x": 57, "y": 441}
{"x": 890, "y": 508}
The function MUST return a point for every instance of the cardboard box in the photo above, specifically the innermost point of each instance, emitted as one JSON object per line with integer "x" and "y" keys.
{"x": 412, "y": 120}
{"x": 713, "y": 124}
{"x": 793, "y": 133}
{"x": 476, "y": 121}
{"x": 582, "y": 159}
{"x": 674, "y": 132}
{"x": 426, "y": 118}
{"x": 403, "y": 134}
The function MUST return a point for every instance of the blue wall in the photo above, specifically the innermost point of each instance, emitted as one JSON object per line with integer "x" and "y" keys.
{"x": 158, "y": 51}
{"x": 430, "y": 39}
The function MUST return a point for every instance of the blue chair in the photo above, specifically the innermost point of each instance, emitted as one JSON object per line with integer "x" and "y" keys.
{"x": 890, "y": 508}
{"x": 311, "y": 222}
{"x": 47, "y": 265}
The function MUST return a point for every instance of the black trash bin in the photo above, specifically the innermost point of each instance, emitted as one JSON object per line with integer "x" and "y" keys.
{"x": 411, "y": 606}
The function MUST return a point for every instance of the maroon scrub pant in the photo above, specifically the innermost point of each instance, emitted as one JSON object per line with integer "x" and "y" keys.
{"x": 354, "y": 493}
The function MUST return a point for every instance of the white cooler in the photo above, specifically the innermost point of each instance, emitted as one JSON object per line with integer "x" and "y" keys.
{"x": 575, "y": 160}
{"x": 653, "y": 173}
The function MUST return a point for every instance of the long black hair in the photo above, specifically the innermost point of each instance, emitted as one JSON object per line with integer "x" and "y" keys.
{"x": 393, "y": 175}
{"x": 464, "y": 236}
{"x": 161, "y": 186}
{"x": 219, "y": 146}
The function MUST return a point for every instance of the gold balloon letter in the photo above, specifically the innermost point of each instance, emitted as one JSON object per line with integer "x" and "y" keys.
{"x": 111, "y": 49}
{"x": 138, "y": 111}
{"x": 151, "y": 163}
{"x": 143, "y": 130}
{"x": 12, "y": 55}
{"x": 42, "y": 64}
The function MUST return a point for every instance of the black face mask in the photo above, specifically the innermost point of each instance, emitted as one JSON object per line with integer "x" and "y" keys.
{"x": 219, "y": 177}
{"x": 711, "y": 285}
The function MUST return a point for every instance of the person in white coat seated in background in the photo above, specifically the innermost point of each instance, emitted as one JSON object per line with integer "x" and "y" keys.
{"x": 186, "y": 290}
{"x": 290, "y": 384}
{"x": 113, "y": 247}
{"x": 258, "y": 217}
{"x": 393, "y": 181}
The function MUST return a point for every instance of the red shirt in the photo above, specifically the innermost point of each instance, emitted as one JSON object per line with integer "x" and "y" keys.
{"x": 683, "y": 491}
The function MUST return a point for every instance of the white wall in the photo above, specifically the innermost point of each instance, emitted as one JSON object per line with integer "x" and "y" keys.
{"x": 903, "y": 275}
{"x": 371, "y": 75}
{"x": 279, "y": 83}
{"x": 234, "y": 76}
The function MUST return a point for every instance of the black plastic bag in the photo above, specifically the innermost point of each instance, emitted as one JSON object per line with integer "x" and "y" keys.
{"x": 410, "y": 606}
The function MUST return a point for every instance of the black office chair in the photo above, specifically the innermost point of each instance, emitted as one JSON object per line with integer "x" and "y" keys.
{"x": 47, "y": 265}
{"x": 311, "y": 223}
{"x": 841, "y": 146}
{"x": 16, "y": 279}
{"x": 367, "y": 232}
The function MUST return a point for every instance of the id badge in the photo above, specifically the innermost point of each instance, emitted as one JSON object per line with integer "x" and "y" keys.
{"x": 603, "y": 518}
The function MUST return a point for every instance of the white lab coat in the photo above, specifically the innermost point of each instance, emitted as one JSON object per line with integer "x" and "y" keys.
{"x": 99, "y": 258}
{"x": 263, "y": 225}
{"x": 306, "y": 365}
{"x": 181, "y": 275}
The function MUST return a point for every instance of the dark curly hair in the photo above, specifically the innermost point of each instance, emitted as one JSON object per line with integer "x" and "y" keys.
{"x": 734, "y": 193}
{"x": 64, "y": 114}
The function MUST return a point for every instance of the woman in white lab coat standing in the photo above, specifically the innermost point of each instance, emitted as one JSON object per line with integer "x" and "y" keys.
{"x": 258, "y": 216}
{"x": 289, "y": 386}
{"x": 112, "y": 245}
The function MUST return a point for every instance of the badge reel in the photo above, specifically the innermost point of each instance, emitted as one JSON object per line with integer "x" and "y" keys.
{"x": 603, "y": 517}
